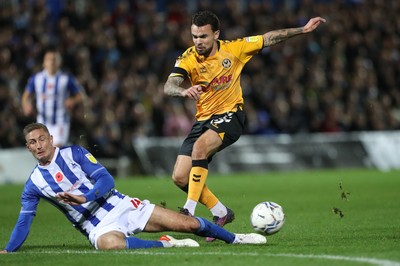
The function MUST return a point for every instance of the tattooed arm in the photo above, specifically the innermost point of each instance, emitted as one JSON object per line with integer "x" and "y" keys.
{"x": 277, "y": 36}
{"x": 172, "y": 88}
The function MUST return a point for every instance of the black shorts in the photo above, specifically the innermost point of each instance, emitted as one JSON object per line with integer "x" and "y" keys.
{"x": 230, "y": 123}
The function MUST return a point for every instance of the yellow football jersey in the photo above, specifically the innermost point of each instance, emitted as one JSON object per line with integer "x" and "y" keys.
{"x": 218, "y": 74}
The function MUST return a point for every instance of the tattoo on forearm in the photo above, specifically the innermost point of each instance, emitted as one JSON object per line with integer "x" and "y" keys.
{"x": 277, "y": 36}
{"x": 172, "y": 86}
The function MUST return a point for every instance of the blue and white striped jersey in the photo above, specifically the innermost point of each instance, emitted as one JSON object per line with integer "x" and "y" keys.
{"x": 73, "y": 169}
{"x": 51, "y": 92}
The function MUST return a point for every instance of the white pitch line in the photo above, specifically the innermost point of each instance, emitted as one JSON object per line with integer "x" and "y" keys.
{"x": 372, "y": 261}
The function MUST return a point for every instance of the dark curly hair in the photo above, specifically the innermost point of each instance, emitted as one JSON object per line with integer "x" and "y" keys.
{"x": 206, "y": 17}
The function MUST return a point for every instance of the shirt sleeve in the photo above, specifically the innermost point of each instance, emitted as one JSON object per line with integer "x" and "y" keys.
{"x": 29, "y": 201}
{"x": 20, "y": 232}
{"x": 73, "y": 85}
{"x": 30, "y": 86}
{"x": 182, "y": 64}
{"x": 104, "y": 182}
{"x": 247, "y": 47}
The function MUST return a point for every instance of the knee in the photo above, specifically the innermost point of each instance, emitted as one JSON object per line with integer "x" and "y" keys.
{"x": 180, "y": 180}
{"x": 199, "y": 153}
{"x": 190, "y": 225}
{"x": 193, "y": 225}
{"x": 111, "y": 242}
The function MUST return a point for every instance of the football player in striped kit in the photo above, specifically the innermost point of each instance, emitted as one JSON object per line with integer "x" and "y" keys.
{"x": 72, "y": 180}
{"x": 214, "y": 67}
{"x": 56, "y": 93}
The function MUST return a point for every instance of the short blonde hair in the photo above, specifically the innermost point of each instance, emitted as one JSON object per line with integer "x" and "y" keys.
{"x": 33, "y": 126}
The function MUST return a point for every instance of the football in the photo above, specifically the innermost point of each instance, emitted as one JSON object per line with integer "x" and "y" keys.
{"x": 267, "y": 217}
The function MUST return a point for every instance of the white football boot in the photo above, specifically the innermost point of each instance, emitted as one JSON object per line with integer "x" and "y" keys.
{"x": 169, "y": 241}
{"x": 251, "y": 238}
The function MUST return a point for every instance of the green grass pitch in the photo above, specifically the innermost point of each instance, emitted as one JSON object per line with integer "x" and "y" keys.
{"x": 364, "y": 229}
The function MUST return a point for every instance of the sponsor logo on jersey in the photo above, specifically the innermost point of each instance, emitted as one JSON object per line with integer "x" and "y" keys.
{"x": 203, "y": 70}
{"x": 220, "y": 83}
{"x": 252, "y": 39}
{"x": 205, "y": 86}
{"x": 91, "y": 158}
{"x": 77, "y": 183}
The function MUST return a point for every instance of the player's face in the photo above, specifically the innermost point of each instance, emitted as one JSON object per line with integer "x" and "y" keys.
{"x": 204, "y": 39}
{"x": 40, "y": 144}
{"x": 51, "y": 62}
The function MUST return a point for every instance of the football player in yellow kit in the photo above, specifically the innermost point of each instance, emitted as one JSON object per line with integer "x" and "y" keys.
{"x": 214, "y": 67}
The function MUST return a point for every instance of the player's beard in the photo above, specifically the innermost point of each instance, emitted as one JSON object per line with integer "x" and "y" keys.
{"x": 205, "y": 52}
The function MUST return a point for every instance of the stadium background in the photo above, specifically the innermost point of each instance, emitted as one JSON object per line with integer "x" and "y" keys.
{"x": 343, "y": 78}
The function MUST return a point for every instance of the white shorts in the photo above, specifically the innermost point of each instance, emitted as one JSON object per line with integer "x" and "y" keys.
{"x": 129, "y": 217}
{"x": 60, "y": 133}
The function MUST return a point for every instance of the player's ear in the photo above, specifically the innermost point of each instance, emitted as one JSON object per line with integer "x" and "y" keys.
{"x": 51, "y": 140}
{"x": 216, "y": 34}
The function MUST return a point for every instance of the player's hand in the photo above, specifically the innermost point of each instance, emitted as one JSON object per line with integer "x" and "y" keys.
{"x": 313, "y": 24}
{"x": 3, "y": 251}
{"x": 28, "y": 109}
{"x": 69, "y": 104}
{"x": 70, "y": 199}
{"x": 193, "y": 92}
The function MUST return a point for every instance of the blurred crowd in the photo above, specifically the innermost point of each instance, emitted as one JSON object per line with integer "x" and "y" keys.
{"x": 343, "y": 77}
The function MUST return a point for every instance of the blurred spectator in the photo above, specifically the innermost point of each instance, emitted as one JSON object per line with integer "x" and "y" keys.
{"x": 345, "y": 78}
{"x": 177, "y": 123}
{"x": 51, "y": 95}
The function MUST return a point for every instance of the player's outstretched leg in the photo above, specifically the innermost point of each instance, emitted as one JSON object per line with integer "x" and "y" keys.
{"x": 221, "y": 221}
{"x": 209, "y": 229}
{"x": 164, "y": 242}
